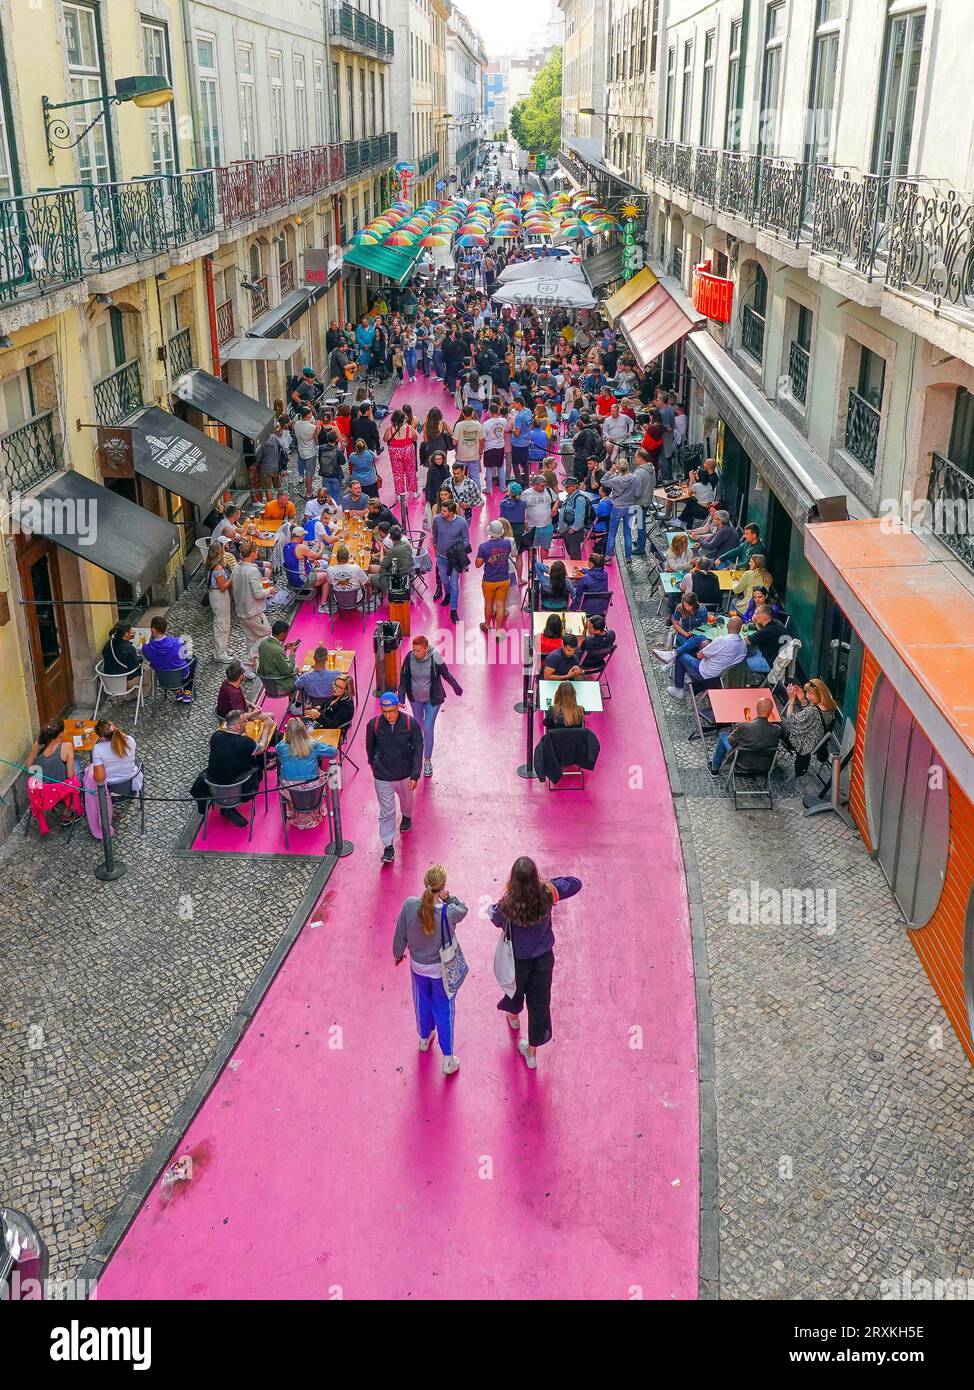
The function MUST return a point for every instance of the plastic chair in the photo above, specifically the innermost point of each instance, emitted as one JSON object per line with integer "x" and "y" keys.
{"x": 301, "y": 799}
{"x": 762, "y": 773}
{"x": 116, "y": 688}
{"x": 125, "y": 791}
{"x": 598, "y": 603}
{"x": 228, "y": 796}
{"x": 167, "y": 681}
{"x": 347, "y": 601}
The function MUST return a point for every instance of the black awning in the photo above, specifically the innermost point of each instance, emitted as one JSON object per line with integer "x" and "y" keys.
{"x": 215, "y": 399}
{"x": 101, "y": 527}
{"x": 181, "y": 459}
{"x": 277, "y": 320}
{"x": 603, "y": 268}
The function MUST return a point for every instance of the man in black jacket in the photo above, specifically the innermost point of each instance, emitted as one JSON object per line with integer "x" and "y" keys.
{"x": 394, "y": 748}
{"x": 755, "y": 740}
{"x": 366, "y": 428}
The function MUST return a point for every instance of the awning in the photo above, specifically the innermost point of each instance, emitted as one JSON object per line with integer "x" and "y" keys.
{"x": 797, "y": 476}
{"x": 550, "y": 267}
{"x": 393, "y": 262}
{"x": 277, "y": 320}
{"x": 654, "y": 323}
{"x": 181, "y": 459}
{"x": 218, "y": 401}
{"x": 101, "y": 527}
{"x": 604, "y": 268}
{"x": 641, "y": 283}
{"x": 262, "y": 349}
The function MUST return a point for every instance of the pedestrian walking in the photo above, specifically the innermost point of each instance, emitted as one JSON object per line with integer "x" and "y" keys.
{"x": 421, "y": 682}
{"x": 524, "y": 915}
{"x": 451, "y": 538}
{"x": 394, "y": 748}
{"x": 424, "y": 925}
{"x": 494, "y": 558}
{"x": 401, "y": 441}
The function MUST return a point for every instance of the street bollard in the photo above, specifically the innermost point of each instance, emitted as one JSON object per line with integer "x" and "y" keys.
{"x": 112, "y": 868}
{"x": 526, "y": 770}
{"x": 338, "y": 847}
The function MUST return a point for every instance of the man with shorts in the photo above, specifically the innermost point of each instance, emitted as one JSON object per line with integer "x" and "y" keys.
{"x": 494, "y": 558}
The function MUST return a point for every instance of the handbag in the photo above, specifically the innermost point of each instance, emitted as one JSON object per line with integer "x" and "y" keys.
{"x": 504, "y": 971}
{"x": 452, "y": 960}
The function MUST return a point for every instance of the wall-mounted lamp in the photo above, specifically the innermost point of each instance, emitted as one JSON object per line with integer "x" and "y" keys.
{"x": 145, "y": 91}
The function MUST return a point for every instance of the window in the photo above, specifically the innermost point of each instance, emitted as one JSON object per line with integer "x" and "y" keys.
{"x": 774, "y": 34}
{"x": 278, "y": 126}
{"x": 375, "y": 127}
{"x": 212, "y": 148}
{"x": 162, "y": 142}
{"x": 248, "y": 101}
{"x": 961, "y": 451}
{"x": 85, "y": 84}
{"x": 300, "y": 104}
{"x": 821, "y": 101}
{"x": 872, "y": 378}
{"x": 707, "y": 102}
{"x": 361, "y": 97}
{"x": 336, "y": 103}
{"x": 670, "y": 94}
{"x": 732, "y": 119}
{"x": 382, "y": 101}
{"x": 687, "y": 93}
{"x": 321, "y": 123}
{"x": 7, "y": 183}
{"x": 350, "y": 90}
{"x": 898, "y": 94}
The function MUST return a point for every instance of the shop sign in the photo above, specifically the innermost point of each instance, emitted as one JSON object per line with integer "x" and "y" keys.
{"x": 629, "y": 215}
{"x": 116, "y": 451}
{"x": 711, "y": 295}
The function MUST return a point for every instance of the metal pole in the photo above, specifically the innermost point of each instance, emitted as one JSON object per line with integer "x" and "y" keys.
{"x": 526, "y": 770}
{"x": 402, "y": 511}
{"x": 338, "y": 846}
{"x": 533, "y": 579}
{"x": 522, "y": 704}
{"x": 111, "y": 869}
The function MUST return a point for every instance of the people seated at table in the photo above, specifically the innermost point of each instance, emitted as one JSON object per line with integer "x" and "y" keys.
{"x": 550, "y": 639}
{"x": 166, "y": 653}
{"x": 756, "y": 576}
{"x": 597, "y": 641}
{"x": 616, "y": 429}
{"x": 760, "y": 595}
{"x": 678, "y": 559}
{"x": 688, "y": 616}
{"x": 279, "y": 507}
{"x": 275, "y": 658}
{"x": 809, "y": 715}
{"x": 322, "y": 530}
{"x": 314, "y": 688}
{"x": 395, "y": 563}
{"x": 700, "y": 581}
{"x": 299, "y": 764}
{"x": 557, "y": 590}
{"x": 377, "y": 513}
{"x": 723, "y": 539}
{"x": 354, "y": 500}
{"x": 739, "y": 556}
{"x": 338, "y": 711}
{"x": 53, "y": 780}
{"x": 564, "y": 712}
{"x": 299, "y": 556}
{"x": 705, "y": 659}
{"x": 764, "y": 640}
{"x": 698, "y": 533}
{"x": 755, "y": 740}
{"x": 231, "y": 695}
{"x": 343, "y": 576}
{"x": 594, "y": 580}
{"x": 120, "y": 656}
{"x": 563, "y": 663}
{"x": 227, "y": 530}
{"x": 233, "y": 755}
{"x": 703, "y": 491}
{"x": 602, "y": 514}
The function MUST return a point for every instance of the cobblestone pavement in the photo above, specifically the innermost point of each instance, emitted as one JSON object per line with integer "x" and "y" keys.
{"x": 842, "y": 1094}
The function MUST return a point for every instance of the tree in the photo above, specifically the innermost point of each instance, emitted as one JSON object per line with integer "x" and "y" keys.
{"x": 535, "y": 121}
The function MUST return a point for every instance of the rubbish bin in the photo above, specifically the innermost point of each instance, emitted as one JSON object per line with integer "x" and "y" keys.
{"x": 386, "y": 641}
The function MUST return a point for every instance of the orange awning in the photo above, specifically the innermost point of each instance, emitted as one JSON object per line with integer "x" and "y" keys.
{"x": 654, "y": 323}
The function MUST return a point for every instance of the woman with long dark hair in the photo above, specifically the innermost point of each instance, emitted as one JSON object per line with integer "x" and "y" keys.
{"x": 436, "y": 437}
{"x": 524, "y": 913}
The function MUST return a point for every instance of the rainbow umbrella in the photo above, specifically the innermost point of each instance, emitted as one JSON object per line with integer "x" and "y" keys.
{"x": 400, "y": 239}
{"x": 577, "y": 232}
{"x": 468, "y": 239}
{"x": 435, "y": 241}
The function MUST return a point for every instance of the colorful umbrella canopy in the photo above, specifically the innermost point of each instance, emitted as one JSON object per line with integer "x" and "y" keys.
{"x": 435, "y": 241}
{"x": 468, "y": 239}
{"x": 400, "y": 239}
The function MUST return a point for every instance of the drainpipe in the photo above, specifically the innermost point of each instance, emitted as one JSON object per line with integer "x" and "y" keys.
{"x": 211, "y": 313}
{"x": 194, "y": 105}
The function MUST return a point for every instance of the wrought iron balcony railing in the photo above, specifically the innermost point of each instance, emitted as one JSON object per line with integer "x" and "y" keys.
{"x": 346, "y": 22}
{"x": 179, "y": 353}
{"x": 260, "y": 300}
{"x": 30, "y": 453}
{"x": 862, "y": 431}
{"x": 428, "y": 163}
{"x": 931, "y": 244}
{"x": 141, "y": 218}
{"x": 224, "y": 322}
{"x": 39, "y": 249}
{"x": 951, "y": 494}
{"x": 752, "y": 333}
{"x": 251, "y": 187}
{"x": 287, "y": 277}
{"x": 799, "y": 361}
{"x": 120, "y": 394}
{"x": 848, "y": 221}
{"x": 466, "y": 150}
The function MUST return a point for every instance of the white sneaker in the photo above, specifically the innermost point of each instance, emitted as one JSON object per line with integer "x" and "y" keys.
{"x": 450, "y": 1065}
{"x": 428, "y": 768}
{"x": 424, "y": 1043}
{"x": 514, "y": 1020}
{"x": 665, "y": 655}
{"x": 677, "y": 693}
{"x": 522, "y": 1047}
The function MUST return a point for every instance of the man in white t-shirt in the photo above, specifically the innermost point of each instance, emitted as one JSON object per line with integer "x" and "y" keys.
{"x": 540, "y": 505}
{"x": 468, "y": 433}
{"x": 494, "y": 429}
{"x": 616, "y": 428}
{"x": 342, "y": 577}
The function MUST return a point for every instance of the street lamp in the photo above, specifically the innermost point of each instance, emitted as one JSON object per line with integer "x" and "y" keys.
{"x": 145, "y": 91}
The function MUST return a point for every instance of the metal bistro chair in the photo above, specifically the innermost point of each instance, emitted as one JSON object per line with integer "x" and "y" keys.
{"x": 116, "y": 688}
{"x": 761, "y": 774}
{"x": 125, "y": 791}
{"x": 347, "y": 601}
{"x": 202, "y": 544}
{"x": 167, "y": 681}
{"x": 596, "y": 604}
{"x": 228, "y": 796}
{"x": 600, "y": 672}
{"x": 300, "y": 799}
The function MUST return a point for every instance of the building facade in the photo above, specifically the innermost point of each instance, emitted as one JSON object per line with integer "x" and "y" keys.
{"x": 583, "y": 70}
{"x": 465, "y": 71}
{"x": 419, "y": 98}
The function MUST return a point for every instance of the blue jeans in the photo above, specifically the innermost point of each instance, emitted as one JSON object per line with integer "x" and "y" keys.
{"x": 449, "y": 579}
{"x": 756, "y": 662}
{"x": 434, "y": 1008}
{"x": 450, "y": 370}
{"x": 438, "y": 365}
{"x": 424, "y": 358}
{"x": 619, "y": 516}
{"x": 722, "y": 748}
{"x": 641, "y": 530}
{"x": 425, "y": 715}
{"x": 410, "y": 355}
{"x": 686, "y": 660}
{"x": 334, "y": 487}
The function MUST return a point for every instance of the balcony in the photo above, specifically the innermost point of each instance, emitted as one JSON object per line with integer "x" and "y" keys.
{"x": 466, "y": 151}
{"x": 799, "y": 361}
{"x": 224, "y": 322}
{"x": 862, "y": 431}
{"x": 179, "y": 353}
{"x": 250, "y": 188}
{"x": 39, "y": 250}
{"x": 349, "y": 25}
{"x": 119, "y": 395}
{"x": 428, "y": 163}
{"x": 951, "y": 495}
{"x": 142, "y": 218}
{"x": 752, "y": 333}
{"x": 260, "y": 300}
{"x": 30, "y": 453}
{"x": 287, "y": 277}
{"x": 363, "y": 155}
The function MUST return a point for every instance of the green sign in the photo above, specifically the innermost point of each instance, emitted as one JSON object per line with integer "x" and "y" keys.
{"x": 629, "y": 247}
{"x": 542, "y": 163}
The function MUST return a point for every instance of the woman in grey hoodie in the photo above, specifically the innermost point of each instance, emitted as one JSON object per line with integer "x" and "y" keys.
{"x": 424, "y": 925}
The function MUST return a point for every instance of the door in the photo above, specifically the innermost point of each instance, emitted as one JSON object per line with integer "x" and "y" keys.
{"x": 40, "y": 582}
{"x": 778, "y": 542}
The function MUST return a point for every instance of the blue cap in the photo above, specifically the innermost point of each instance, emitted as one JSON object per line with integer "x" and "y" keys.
{"x": 515, "y": 489}
{"x": 389, "y": 697}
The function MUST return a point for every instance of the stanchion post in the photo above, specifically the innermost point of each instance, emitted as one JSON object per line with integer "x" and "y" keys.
{"x": 112, "y": 868}
{"x": 526, "y": 770}
{"x": 528, "y": 669}
{"x": 402, "y": 511}
{"x": 339, "y": 847}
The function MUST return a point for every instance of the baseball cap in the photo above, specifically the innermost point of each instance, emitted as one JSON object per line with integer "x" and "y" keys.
{"x": 515, "y": 489}
{"x": 388, "y": 697}
{"x": 308, "y": 371}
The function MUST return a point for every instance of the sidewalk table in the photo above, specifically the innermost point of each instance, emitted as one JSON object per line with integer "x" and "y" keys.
{"x": 80, "y": 733}
{"x": 587, "y": 693}
{"x": 728, "y": 705}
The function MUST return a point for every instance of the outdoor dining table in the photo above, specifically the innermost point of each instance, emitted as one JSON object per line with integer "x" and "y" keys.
{"x": 672, "y": 502}
{"x": 726, "y": 579}
{"x": 80, "y": 733}
{"x": 729, "y": 705}
{"x": 587, "y": 693}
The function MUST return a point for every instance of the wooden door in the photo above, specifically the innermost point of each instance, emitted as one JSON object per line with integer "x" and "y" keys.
{"x": 40, "y": 581}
